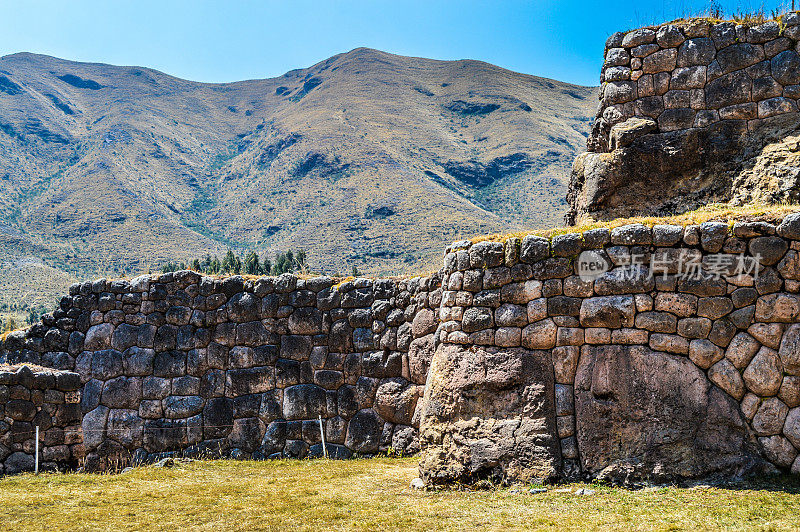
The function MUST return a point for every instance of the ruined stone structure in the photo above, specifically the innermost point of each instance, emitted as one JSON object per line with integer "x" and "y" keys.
{"x": 681, "y": 361}
{"x": 45, "y": 398}
{"x": 693, "y": 112}
{"x": 633, "y": 355}
{"x": 185, "y": 363}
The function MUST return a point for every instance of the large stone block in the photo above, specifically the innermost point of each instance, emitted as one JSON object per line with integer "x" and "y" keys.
{"x": 98, "y": 337}
{"x": 304, "y": 401}
{"x": 608, "y": 311}
{"x": 249, "y": 381}
{"x": 489, "y": 414}
{"x": 764, "y": 375}
{"x": 644, "y": 416}
{"x": 364, "y": 432}
{"x": 396, "y": 400}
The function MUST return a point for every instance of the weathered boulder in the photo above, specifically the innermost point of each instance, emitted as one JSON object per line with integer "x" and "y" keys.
{"x": 489, "y": 414}
{"x": 645, "y": 416}
{"x": 396, "y": 400}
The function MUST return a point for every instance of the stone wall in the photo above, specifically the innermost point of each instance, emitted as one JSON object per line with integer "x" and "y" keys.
{"x": 681, "y": 361}
{"x": 242, "y": 367}
{"x": 682, "y": 108}
{"x": 47, "y": 399}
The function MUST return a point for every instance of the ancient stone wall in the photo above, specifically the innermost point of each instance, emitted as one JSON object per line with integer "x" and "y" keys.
{"x": 682, "y": 360}
{"x": 48, "y": 399}
{"x": 683, "y": 107}
{"x": 697, "y": 74}
{"x": 181, "y": 362}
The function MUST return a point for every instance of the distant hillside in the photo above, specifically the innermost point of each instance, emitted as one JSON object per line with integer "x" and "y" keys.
{"x": 367, "y": 158}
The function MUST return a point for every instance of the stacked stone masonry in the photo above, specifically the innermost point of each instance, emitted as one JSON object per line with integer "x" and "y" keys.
{"x": 643, "y": 372}
{"x": 234, "y": 367}
{"x": 45, "y": 398}
{"x": 719, "y": 330}
{"x": 694, "y": 75}
{"x": 692, "y": 113}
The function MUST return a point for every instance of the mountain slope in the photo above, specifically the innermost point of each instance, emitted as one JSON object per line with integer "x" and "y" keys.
{"x": 366, "y": 158}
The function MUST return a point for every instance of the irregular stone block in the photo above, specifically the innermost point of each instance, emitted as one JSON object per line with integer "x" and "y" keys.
{"x": 770, "y": 417}
{"x": 725, "y": 375}
{"x": 742, "y": 349}
{"x": 778, "y": 450}
{"x": 608, "y": 311}
{"x": 476, "y": 319}
{"x": 540, "y": 335}
{"x": 364, "y": 432}
{"x": 304, "y": 401}
{"x": 633, "y": 393}
{"x": 764, "y": 374}
{"x": 490, "y": 435}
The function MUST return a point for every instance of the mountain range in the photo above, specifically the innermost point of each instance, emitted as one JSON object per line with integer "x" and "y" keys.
{"x": 367, "y": 159}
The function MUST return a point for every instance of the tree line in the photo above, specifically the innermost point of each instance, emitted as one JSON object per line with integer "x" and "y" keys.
{"x": 252, "y": 264}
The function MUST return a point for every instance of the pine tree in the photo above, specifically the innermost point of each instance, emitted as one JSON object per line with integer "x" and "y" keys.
{"x": 252, "y": 266}
{"x": 229, "y": 262}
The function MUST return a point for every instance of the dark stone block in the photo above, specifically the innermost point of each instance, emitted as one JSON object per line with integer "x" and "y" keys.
{"x": 246, "y": 405}
{"x": 166, "y": 338}
{"x": 169, "y": 364}
{"x": 296, "y": 347}
{"x": 359, "y": 297}
{"x": 304, "y": 401}
{"x": 249, "y": 381}
{"x": 217, "y": 418}
{"x": 364, "y": 432}
{"x": 563, "y": 306}
{"x": 107, "y": 364}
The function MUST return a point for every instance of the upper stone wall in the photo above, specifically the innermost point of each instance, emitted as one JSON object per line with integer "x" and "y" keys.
{"x": 695, "y": 75}
{"x": 692, "y": 113}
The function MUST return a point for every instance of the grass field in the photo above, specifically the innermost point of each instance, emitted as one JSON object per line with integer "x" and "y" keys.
{"x": 368, "y": 495}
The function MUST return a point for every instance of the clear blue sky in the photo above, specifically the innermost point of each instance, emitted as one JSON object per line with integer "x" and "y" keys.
{"x": 228, "y": 40}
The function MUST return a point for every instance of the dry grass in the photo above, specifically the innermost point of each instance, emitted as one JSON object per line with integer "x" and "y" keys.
{"x": 745, "y": 15}
{"x": 712, "y": 212}
{"x": 365, "y": 495}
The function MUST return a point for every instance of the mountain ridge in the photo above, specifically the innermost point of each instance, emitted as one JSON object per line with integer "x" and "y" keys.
{"x": 366, "y": 158}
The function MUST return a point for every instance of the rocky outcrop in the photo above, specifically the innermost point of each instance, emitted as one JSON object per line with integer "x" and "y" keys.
{"x": 691, "y": 113}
